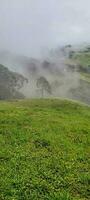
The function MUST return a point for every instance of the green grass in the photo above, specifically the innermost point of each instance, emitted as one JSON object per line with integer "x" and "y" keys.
{"x": 44, "y": 150}
{"x": 82, "y": 58}
{"x": 85, "y": 77}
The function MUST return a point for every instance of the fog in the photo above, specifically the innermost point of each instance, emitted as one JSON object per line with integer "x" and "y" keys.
{"x": 63, "y": 77}
{"x": 34, "y": 36}
{"x": 30, "y": 27}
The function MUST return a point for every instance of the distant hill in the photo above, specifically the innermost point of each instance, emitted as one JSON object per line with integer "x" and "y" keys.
{"x": 66, "y": 68}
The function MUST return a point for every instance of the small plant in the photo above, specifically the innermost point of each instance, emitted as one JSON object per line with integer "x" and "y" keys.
{"x": 41, "y": 143}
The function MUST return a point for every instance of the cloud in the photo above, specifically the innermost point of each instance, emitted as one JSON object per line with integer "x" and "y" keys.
{"x": 27, "y": 26}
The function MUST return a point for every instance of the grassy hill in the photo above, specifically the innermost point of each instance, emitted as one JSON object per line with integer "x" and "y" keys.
{"x": 83, "y": 58}
{"x": 44, "y": 150}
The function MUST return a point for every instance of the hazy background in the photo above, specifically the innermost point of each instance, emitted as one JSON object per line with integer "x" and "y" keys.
{"x": 30, "y": 27}
{"x": 35, "y": 38}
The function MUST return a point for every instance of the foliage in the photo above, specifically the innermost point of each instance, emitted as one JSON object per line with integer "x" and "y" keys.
{"x": 83, "y": 58}
{"x": 43, "y": 85}
{"x": 10, "y": 83}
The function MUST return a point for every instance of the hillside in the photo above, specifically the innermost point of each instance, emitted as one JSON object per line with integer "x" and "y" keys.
{"x": 44, "y": 150}
{"x": 10, "y": 84}
{"x": 66, "y": 69}
{"x": 82, "y": 59}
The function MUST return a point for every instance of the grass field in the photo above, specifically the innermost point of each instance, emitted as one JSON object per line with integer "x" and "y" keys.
{"x": 44, "y": 150}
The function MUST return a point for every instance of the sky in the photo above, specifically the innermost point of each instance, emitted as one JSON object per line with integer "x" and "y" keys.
{"x": 30, "y": 27}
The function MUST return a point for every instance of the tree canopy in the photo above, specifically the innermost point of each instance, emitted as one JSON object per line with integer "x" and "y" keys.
{"x": 43, "y": 85}
{"x": 10, "y": 83}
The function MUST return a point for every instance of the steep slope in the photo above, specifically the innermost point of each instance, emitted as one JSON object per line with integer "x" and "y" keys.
{"x": 10, "y": 84}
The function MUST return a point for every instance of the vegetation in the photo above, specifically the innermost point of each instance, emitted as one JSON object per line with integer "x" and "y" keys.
{"x": 83, "y": 58}
{"x": 10, "y": 83}
{"x": 85, "y": 76}
{"x": 43, "y": 85}
{"x": 44, "y": 150}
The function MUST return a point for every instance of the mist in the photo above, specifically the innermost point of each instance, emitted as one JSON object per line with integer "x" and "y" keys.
{"x": 34, "y": 41}
{"x": 31, "y": 28}
{"x": 63, "y": 77}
